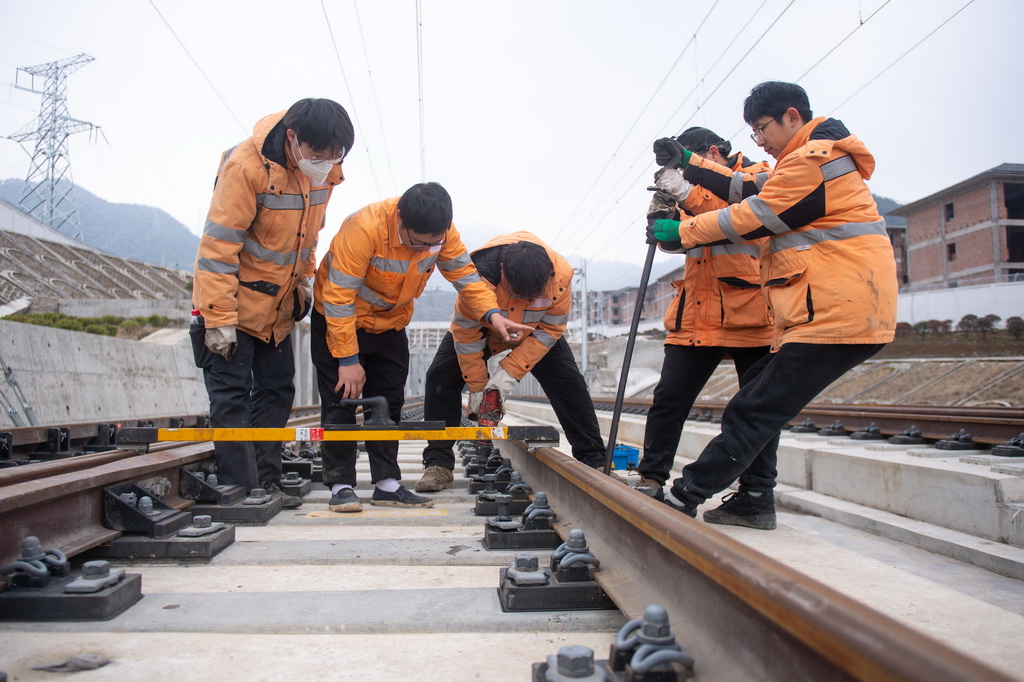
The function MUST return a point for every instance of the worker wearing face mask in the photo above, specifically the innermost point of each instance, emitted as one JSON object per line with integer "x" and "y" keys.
{"x": 256, "y": 257}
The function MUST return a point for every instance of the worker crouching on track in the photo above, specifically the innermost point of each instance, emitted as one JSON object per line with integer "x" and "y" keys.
{"x": 256, "y": 255}
{"x": 533, "y": 285}
{"x": 364, "y": 293}
{"x": 717, "y": 311}
{"x": 828, "y": 274}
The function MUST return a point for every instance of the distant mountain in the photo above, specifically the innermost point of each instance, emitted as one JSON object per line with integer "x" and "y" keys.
{"x": 127, "y": 230}
{"x": 885, "y": 204}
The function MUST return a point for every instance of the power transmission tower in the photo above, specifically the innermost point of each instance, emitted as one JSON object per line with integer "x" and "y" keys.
{"x": 48, "y": 187}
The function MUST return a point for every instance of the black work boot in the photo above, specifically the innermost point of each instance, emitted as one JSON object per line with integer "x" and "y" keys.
{"x": 753, "y": 510}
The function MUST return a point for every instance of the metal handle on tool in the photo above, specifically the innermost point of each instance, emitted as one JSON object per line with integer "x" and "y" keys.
{"x": 377, "y": 406}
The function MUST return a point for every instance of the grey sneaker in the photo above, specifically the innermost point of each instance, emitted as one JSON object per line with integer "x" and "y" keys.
{"x": 287, "y": 501}
{"x": 400, "y": 498}
{"x": 435, "y": 479}
{"x": 345, "y": 501}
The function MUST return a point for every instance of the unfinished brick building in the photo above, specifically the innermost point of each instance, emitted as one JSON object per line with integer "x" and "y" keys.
{"x": 969, "y": 233}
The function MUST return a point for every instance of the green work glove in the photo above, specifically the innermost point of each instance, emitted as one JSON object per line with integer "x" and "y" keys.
{"x": 666, "y": 230}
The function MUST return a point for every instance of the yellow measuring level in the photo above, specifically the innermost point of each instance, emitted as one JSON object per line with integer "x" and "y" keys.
{"x": 317, "y": 434}
{"x": 405, "y": 431}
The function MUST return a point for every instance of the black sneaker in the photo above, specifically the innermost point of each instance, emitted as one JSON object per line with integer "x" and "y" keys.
{"x": 287, "y": 501}
{"x": 680, "y": 506}
{"x": 345, "y": 501}
{"x": 399, "y": 498}
{"x": 744, "y": 509}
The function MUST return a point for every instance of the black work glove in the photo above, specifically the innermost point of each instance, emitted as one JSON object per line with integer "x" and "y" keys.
{"x": 668, "y": 153}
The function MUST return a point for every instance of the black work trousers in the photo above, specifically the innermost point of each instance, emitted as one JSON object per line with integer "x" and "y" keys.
{"x": 558, "y": 376}
{"x": 684, "y": 372}
{"x": 252, "y": 389}
{"x": 385, "y": 359}
{"x": 775, "y": 390}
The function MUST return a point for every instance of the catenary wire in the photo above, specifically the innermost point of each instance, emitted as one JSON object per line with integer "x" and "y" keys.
{"x": 199, "y": 68}
{"x": 897, "y": 60}
{"x": 376, "y": 102}
{"x": 355, "y": 115}
{"x": 856, "y": 92}
{"x": 845, "y": 38}
{"x": 631, "y": 186}
{"x": 668, "y": 73}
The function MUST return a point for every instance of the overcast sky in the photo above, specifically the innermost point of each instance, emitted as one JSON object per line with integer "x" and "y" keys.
{"x": 539, "y": 114}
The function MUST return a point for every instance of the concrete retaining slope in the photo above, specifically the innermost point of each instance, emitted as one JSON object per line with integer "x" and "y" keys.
{"x": 71, "y": 377}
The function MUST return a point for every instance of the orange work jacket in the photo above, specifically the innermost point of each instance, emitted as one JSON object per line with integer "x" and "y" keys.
{"x": 827, "y": 265}
{"x": 547, "y": 314}
{"x": 369, "y": 280}
{"x": 260, "y": 236}
{"x": 718, "y": 301}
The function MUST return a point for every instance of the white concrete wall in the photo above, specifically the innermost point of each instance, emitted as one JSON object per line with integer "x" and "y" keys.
{"x": 1004, "y": 299}
{"x": 71, "y": 377}
{"x": 13, "y": 220}
{"x": 175, "y": 309}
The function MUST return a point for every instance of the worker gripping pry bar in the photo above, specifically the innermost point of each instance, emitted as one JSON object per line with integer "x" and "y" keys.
{"x": 376, "y": 426}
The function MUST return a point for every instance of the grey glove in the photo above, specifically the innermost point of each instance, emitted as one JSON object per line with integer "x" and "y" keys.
{"x": 302, "y": 300}
{"x": 503, "y": 381}
{"x": 222, "y": 340}
{"x": 473, "y": 408}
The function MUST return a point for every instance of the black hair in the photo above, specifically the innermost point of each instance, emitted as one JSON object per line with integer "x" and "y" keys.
{"x": 426, "y": 208}
{"x": 323, "y": 124}
{"x": 526, "y": 268}
{"x": 774, "y": 98}
{"x": 698, "y": 140}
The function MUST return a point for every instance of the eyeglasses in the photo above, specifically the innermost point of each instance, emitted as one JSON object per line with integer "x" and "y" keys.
{"x": 317, "y": 158}
{"x": 421, "y": 245}
{"x": 758, "y": 135}
{"x": 321, "y": 158}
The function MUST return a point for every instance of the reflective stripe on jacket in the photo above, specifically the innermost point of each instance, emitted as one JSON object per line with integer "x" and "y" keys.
{"x": 260, "y": 236}
{"x": 548, "y": 314}
{"x": 827, "y": 265}
{"x": 718, "y": 301}
{"x": 369, "y": 280}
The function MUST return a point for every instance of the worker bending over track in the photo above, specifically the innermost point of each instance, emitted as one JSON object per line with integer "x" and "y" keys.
{"x": 364, "y": 293}
{"x": 533, "y": 285}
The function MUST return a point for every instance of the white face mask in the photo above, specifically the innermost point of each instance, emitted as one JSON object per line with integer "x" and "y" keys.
{"x": 317, "y": 171}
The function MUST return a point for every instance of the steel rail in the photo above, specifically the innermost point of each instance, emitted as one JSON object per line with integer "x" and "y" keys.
{"x": 742, "y": 614}
{"x": 986, "y": 425}
{"x": 65, "y": 510}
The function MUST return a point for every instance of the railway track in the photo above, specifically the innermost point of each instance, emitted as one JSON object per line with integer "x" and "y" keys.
{"x": 717, "y": 592}
{"x": 985, "y": 425}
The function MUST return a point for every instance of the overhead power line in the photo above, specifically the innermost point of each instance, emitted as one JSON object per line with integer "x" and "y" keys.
{"x": 625, "y": 137}
{"x": 376, "y": 102}
{"x": 837, "y": 45}
{"x": 632, "y": 185}
{"x": 352, "y": 102}
{"x": 897, "y": 60}
{"x": 199, "y": 68}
